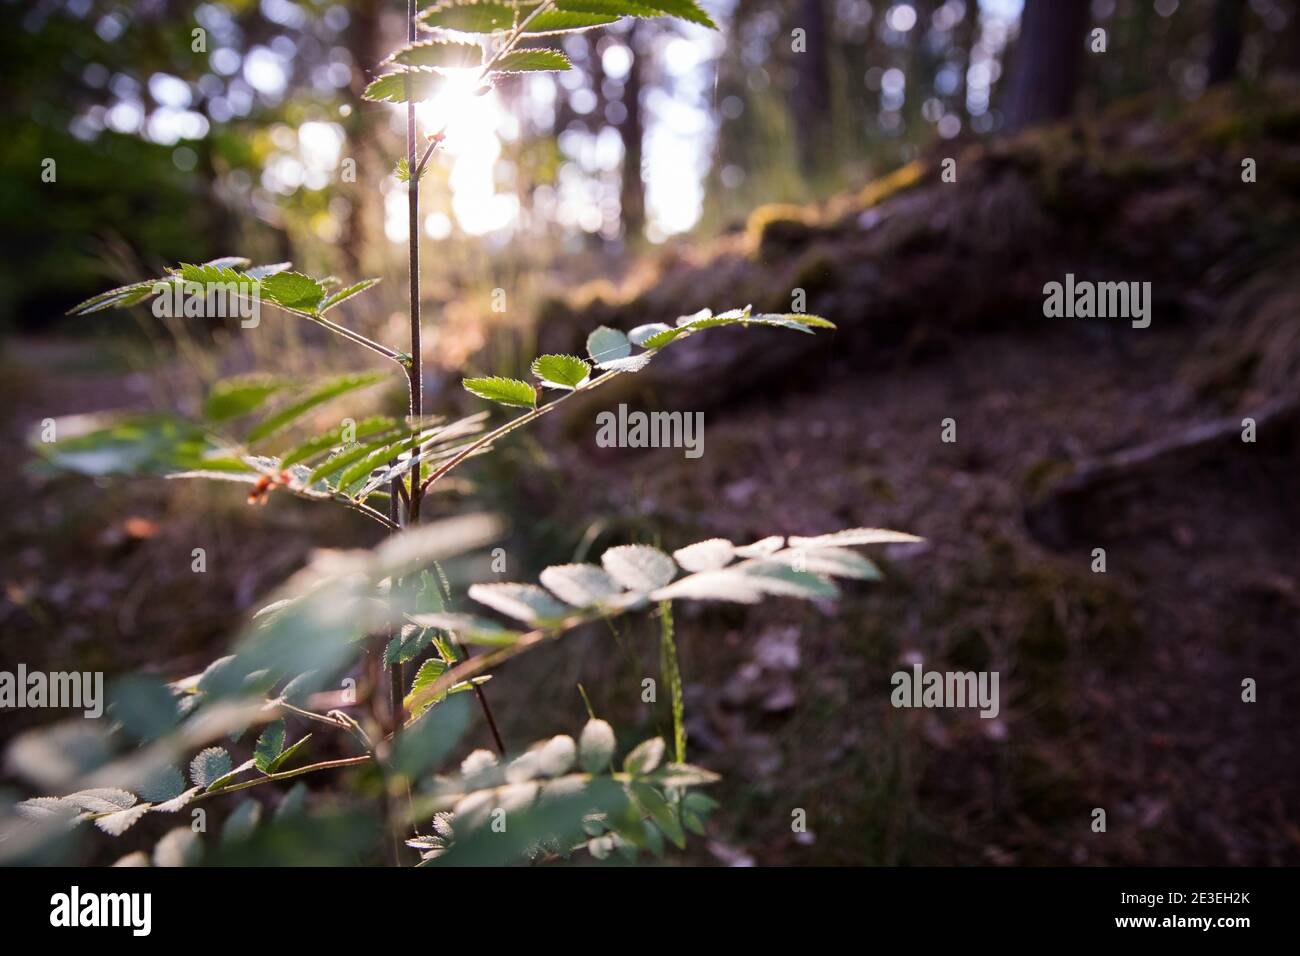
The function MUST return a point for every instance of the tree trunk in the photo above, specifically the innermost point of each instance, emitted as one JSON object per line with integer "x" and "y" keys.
{"x": 363, "y": 227}
{"x": 1226, "y": 33}
{"x": 1045, "y": 72}
{"x": 632, "y": 132}
{"x": 812, "y": 92}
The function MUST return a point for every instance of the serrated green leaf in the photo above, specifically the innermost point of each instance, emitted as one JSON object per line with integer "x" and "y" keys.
{"x": 115, "y": 824}
{"x": 561, "y": 371}
{"x": 523, "y": 602}
{"x": 659, "y": 339}
{"x": 270, "y": 743}
{"x": 639, "y": 567}
{"x": 853, "y": 536}
{"x": 288, "y": 754}
{"x": 441, "y": 53}
{"x": 331, "y": 389}
{"x": 216, "y": 272}
{"x": 725, "y": 584}
{"x": 683, "y": 9}
{"x": 476, "y": 16}
{"x": 229, "y": 262}
{"x": 562, "y": 20}
{"x": 429, "y": 672}
{"x": 391, "y": 87}
{"x": 643, "y": 333}
{"x": 101, "y": 800}
{"x": 119, "y": 298}
{"x": 705, "y": 555}
{"x": 832, "y": 562}
{"x": 354, "y": 477}
{"x": 225, "y": 780}
{"x": 343, "y": 295}
{"x": 633, "y": 363}
{"x": 209, "y": 766}
{"x": 644, "y": 757}
{"x": 471, "y": 16}
{"x": 797, "y": 320}
{"x": 177, "y": 802}
{"x": 407, "y": 645}
{"x": 652, "y": 802}
{"x": 163, "y": 784}
{"x": 532, "y": 61}
{"x": 607, "y": 345}
{"x": 342, "y": 460}
{"x": 776, "y": 578}
{"x": 505, "y": 391}
{"x": 293, "y": 290}
{"x": 677, "y": 775}
{"x": 582, "y": 585}
{"x": 312, "y": 447}
{"x": 270, "y": 269}
{"x": 403, "y": 170}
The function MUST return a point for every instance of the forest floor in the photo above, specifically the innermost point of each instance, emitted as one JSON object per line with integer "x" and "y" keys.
{"x": 1120, "y": 690}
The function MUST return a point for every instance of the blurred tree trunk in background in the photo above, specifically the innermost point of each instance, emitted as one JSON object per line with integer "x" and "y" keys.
{"x": 1045, "y": 70}
{"x": 965, "y": 37}
{"x": 812, "y": 92}
{"x": 1226, "y": 35}
{"x": 632, "y": 131}
{"x": 363, "y": 226}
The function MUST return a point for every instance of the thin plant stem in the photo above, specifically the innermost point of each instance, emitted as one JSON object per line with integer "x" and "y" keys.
{"x": 289, "y": 774}
{"x": 414, "y": 371}
{"x": 512, "y": 38}
{"x": 510, "y": 426}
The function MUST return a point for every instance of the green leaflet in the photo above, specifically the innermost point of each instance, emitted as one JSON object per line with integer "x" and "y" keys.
{"x": 505, "y": 391}
{"x": 606, "y": 345}
{"x": 391, "y": 87}
{"x": 355, "y": 476}
{"x": 531, "y": 61}
{"x": 466, "y": 16}
{"x": 581, "y": 585}
{"x": 209, "y": 766}
{"x": 683, "y": 9}
{"x": 441, "y": 53}
{"x": 270, "y": 743}
{"x": 644, "y": 757}
{"x": 523, "y": 602}
{"x": 652, "y": 802}
{"x": 639, "y": 567}
{"x": 344, "y": 459}
{"x": 334, "y": 437}
{"x": 408, "y": 645}
{"x": 429, "y": 672}
{"x": 293, "y": 290}
{"x": 344, "y": 294}
{"x": 287, "y": 754}
{"x": 561, "y": 371}
{"x": 322, "y": 394}
{"x": 118, "y": 298}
